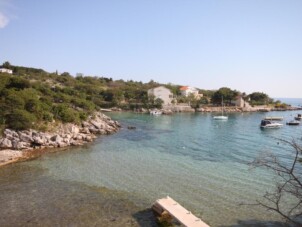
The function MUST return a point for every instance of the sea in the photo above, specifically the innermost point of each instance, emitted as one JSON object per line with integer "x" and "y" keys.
{"x": 295, "y": 102}
{"x": 202, "y": 163}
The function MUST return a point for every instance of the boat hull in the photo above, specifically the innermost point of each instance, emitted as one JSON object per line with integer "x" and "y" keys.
{"x": 293, "y": 123}
{"x": 220, "y": 117}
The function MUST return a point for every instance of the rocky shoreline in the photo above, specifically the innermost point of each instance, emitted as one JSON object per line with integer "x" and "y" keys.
{"x": 15, "y": 145}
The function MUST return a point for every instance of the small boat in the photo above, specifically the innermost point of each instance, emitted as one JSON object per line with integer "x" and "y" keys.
{"x": 272, "y": 118}
{"x": 156, "y": 112}
{"x": 293, "y": 122}
{"x": 270, "y": 124}
{"x": 299, "y": 117}
{"x": 221, "y": 117}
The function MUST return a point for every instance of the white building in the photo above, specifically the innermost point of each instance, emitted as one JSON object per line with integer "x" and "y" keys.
{"x": 240, "y": 102}
{"x": 4, "y": 70}
{"x": 187, "y": 90}
{"x": 162, "y": 93}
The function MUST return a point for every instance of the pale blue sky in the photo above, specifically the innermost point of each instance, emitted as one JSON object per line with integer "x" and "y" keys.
{"x": 248, "y": 45}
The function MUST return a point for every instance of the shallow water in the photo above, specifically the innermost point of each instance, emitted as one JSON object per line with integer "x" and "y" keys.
{"x": 199, "y": 162}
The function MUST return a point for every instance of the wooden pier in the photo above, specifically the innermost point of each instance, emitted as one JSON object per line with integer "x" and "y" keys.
{"x": 178, "y": 212}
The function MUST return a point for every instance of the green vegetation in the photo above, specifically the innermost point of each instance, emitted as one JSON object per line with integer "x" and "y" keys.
{"x": 259, "y": 98}
{"x": 31, "y": 98}
{"x": 227, "y": 94}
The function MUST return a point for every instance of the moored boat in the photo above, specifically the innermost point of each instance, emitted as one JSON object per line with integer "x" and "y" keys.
{"x": 156, "y": 112}
{"x": 299, "y": 117}
{"x": 270, "y": 124}
{"x": 221, "y": 117}
{"x": 293, "y": 122}
{"x": 273, "y": 118}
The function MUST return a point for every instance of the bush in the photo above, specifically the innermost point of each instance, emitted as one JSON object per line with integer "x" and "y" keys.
{"x": 66, "y": 114}
{"x": 20, "y": 120}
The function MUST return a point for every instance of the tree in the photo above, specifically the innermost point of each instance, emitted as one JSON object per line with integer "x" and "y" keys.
{"x": 20, "y": 120}
{"x": 226, "y": 93}
{"x": 286, "y": 199}
{"x": 158, "y": 103}
{"x": 259, "y": 98}
{"x": 6, "y": 65}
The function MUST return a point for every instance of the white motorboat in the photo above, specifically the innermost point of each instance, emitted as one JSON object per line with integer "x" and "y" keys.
{"x": 270, "y": 124}
{"x": 221, "y": 117}
{"x": 156, "y": 112}
{"x": 273, "y": 118}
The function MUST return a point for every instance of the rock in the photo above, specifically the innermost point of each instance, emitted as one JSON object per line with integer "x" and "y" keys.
{"x": 93, "y": 130}
{"x": 97, "y": 124}
{"x": 88, "y": 138}
{"x": 85, "y": 130}
{"x": 65, "y": 134}
{"x": 10, "y": 134}
{"x": 25, "y": 137}
{"x": 131, "y": 127}
{"x": 57, "y": 139}
{"x": 5, "y": 143}
{"x": 20, "y": 145}
{"x": 62, "y": 144}
{"x": 76, "y": 143}
{"x": 39, "y": 140}
{"x": 85, "y": 124}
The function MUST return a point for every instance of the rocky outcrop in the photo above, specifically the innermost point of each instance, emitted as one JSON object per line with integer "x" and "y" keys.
{"x": 63, "y": 135}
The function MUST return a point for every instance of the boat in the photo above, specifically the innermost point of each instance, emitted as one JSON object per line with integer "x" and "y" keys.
{"x": 273, "y": 118}
{"x": 156, "y": 112}
{"x": 293, "y": 122}
{"x": 270, "y": 124}
{"x": 221, "y": 117}
{"x": 299, "y": 117}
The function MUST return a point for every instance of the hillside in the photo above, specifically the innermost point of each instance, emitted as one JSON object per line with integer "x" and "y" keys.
{"x": 31, "y": 98}
{"x": 34, "y": 98}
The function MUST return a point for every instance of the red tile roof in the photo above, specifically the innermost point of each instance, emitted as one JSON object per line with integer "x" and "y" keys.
{"x": 184, "y": 88}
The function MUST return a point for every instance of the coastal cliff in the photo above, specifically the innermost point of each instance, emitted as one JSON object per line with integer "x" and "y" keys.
{"x": 14, "y": 144}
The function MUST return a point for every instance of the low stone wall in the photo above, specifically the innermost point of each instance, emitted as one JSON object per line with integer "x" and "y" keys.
{"x": 64, "y": 135}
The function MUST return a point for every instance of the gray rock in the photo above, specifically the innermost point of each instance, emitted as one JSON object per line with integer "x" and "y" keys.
{"x": 85, "y": 130}
{"x": 25, "y": 137}
{"x": 97, "y": 124}
{"x": 39, "y": 140}
{"x": 5, "y": 143}
{"x": 57, "y": 139}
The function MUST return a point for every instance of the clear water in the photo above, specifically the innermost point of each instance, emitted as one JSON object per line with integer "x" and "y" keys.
{"x": 200, "y": 162}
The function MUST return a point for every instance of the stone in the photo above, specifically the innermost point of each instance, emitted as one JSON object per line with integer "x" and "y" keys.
{"x": 25, "y": 137}
{"x": 97, "y": 124}
{"x": 5, "y": 143}
{"x": 39, "y": 140}
{"x": 85, "y": 130}
{"x": 57, "y": 139}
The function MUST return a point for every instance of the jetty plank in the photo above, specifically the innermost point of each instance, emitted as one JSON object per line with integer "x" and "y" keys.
{"x": 184, "y": 216}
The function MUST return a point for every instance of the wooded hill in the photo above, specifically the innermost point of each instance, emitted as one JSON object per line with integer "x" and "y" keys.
{"x": 30, "y": 97}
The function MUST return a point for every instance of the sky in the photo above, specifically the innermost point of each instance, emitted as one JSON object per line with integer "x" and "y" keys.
{"x": 247, "y": 45}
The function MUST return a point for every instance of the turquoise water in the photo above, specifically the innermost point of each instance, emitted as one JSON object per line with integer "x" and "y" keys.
{"x": 200, "y": 162}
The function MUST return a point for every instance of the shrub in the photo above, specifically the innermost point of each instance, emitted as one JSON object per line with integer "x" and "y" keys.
{"x": 20, "y": 120}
